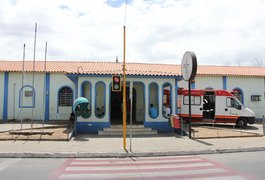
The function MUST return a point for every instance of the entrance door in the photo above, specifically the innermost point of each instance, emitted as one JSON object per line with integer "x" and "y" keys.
{"x": 116, "y": 106}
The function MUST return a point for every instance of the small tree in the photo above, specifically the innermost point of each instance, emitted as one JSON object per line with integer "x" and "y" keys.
{"x": 258, "y": 62}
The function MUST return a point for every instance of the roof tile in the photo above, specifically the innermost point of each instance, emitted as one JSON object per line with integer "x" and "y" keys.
{"x": 108, "y": 68}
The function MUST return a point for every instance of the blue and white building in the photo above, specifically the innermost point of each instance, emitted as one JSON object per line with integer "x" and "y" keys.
{"x": 47, "y": 94}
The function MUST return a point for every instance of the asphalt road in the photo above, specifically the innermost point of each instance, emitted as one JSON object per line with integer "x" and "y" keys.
{"x": 248, "y": 162}
{"x": 233, "y": 165}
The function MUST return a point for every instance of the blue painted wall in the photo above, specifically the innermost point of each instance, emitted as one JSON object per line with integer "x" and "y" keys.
{"x": 159, "y": 126}
{"x": 91, "y": 127}
{"x": 5, "y": 107}
{"x": 224, "y": 83}
{"x": 47, "y": 98}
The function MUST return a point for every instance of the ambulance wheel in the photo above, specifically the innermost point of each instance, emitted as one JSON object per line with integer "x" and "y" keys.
{"x": 241, "y": 122}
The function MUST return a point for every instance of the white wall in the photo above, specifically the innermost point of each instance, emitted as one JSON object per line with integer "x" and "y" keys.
{"x": 250, "y": 86}
{"x": 2, "y": 75}
{"x": 202, "y": 82}
{"x": 14, "y": 87}
{"x": 210, "y": 81}
{"x": 58, "y": 80}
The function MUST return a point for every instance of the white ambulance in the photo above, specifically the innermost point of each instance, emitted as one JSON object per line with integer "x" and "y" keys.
{"x": 218, "y": 106}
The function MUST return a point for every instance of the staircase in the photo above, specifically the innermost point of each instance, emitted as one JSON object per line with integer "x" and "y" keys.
{"x": 117, "y": 130}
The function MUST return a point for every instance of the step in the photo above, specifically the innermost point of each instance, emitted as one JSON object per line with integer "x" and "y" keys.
{"x": 136, "y": 130}
{"x": 116, "y": 133}
{"x": 128, "y": 128}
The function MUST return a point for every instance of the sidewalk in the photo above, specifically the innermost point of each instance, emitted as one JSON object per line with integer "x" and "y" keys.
{"x": 96, "y": 146}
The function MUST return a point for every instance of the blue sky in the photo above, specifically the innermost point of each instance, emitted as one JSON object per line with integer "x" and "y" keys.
{"x": 117, "y": 3}
{"x": 158, "y": 31}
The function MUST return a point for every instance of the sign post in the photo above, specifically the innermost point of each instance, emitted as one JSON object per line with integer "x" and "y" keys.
{"x": 188, "y": 72}
{"x": 124, "y": 112}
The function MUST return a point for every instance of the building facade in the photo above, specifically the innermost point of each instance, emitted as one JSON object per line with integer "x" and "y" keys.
{"x": 47, "y": 93}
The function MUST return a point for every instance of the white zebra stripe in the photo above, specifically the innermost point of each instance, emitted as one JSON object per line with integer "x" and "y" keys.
{"x": 130, "y": 167}
{"x": 145, "y": 174}
{"x": 133, "y": 162}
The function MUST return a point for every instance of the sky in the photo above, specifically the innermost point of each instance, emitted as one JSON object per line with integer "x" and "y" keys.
{"x": 219, "y": 32}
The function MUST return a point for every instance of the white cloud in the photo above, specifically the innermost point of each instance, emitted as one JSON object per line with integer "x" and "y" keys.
{"x": 158, "y": 31}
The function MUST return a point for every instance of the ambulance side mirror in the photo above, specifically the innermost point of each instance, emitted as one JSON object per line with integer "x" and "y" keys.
{"x": 239, "y": 107}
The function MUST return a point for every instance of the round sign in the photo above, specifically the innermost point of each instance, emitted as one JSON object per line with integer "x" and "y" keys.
{"x": 189, "y": 66}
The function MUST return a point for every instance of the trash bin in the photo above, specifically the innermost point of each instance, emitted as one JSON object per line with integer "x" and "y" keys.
{"x": 174, "y": 122}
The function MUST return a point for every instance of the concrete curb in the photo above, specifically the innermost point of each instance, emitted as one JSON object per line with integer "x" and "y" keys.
{"x": 121, "y": 155}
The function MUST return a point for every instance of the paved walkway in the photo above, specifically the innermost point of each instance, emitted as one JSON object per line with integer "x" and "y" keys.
{"x": 95, "y": 146}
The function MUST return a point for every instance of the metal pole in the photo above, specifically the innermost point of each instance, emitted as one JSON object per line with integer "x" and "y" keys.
{"x": 22, "y": 83}
{"x": 189, "y": 110}
{"x": 263, "y": 124}
{"x": 75, "y": 128}
{"x": 33, "y": 73}
{"x": 131, "y": 100}
{"x": 124, "y": 91}
{"x": 14, "y": 101}
{"x": 44, "y": 86}
{"x": 180, "y": 118}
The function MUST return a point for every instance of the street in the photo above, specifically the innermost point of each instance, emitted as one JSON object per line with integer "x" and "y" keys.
{"x": 249, "y": 162}
{"x": 223, "y": 166}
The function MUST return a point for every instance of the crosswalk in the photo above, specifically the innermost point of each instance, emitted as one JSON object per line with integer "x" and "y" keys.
{"x": 157, "y": 168}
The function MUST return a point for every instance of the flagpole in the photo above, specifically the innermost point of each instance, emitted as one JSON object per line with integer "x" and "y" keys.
{"x": 33, "y": 76}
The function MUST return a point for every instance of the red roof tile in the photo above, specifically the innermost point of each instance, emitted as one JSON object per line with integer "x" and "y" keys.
{"x": 108, "y": 68}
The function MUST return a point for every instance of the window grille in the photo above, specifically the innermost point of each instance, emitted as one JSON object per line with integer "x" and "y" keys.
{"x": 65, "y": 97}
